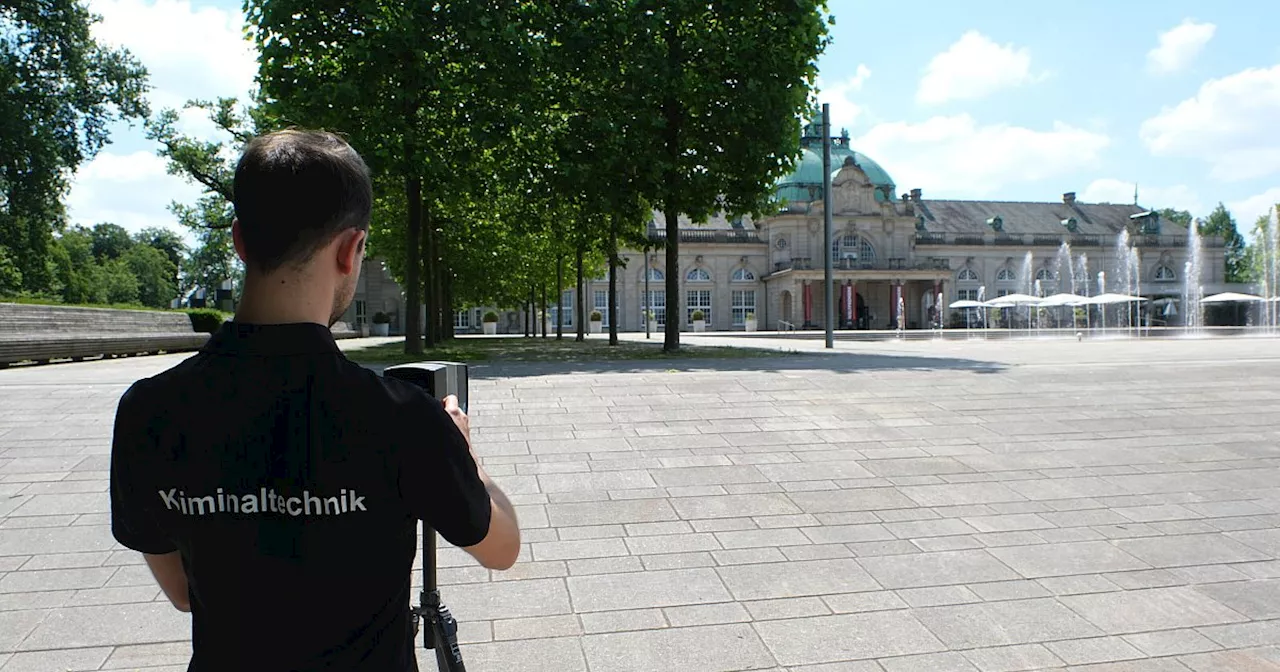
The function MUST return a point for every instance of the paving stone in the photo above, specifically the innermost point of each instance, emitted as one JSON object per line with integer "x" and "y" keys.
{"x": 851, "y": 603}
{"x": 865, "y": 499}
{"x": 989, "y": 624}
{"x": 795, "y": 579}
{"x": 936, "y": 569}
{"x": 76, "y": 627}
{"x": 717, "y": 648}
{"x": 621, "y": 621}
{"x": 929, "y": 662}
{"x": 1066, "y": 559}
{"x": 1180, "y": 551}
{"x": 1243, "y": 635}
{"x": 537, "y": 627}
{"x": 672, "y": 543}
{"x": 1077, "y": 585}
{"x": 605, "y": 565}
{"x": 1171, "y": 642}
{"x": 706, "y": 614}
{"x": 563, "y": 654}
{"x": 732, "y": 506}
{"x": 836, "y": 534}
{"x": 509, "y": 599}
{"x": 149, "y": 655}
{"x": 640, "y": 590}
{"x": 65, "y": 660}
{"x": 1094, "y": 650}
{"x": 1008, "y": 590}
{"x": 816, "y": 552}
{"x": 757, "y": 538}
{"x": 941, "y": 595}
{"x": 1255, "y": 660}
{"x": 1255, "y": 599}
{"x": 677, "y": 561}
{"x": 601, "y": 513}
{"x": 1153, "y": 609}
{"x": 1018, "y": 658}
{"x": 847, "y": 637}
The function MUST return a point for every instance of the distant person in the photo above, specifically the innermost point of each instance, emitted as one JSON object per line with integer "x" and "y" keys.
{"x": 272, "y": 485}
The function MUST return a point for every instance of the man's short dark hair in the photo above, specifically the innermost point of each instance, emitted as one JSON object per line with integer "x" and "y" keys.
{"x": 294, "y": 191}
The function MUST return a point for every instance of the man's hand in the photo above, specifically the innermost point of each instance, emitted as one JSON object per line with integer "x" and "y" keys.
{"x": 501, "y": 546}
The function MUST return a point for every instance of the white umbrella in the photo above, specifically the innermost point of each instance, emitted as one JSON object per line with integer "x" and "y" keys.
{"x": 1231, "y": 297}
{"x": 1063, "y": 300}
{"x": 1014, "y": 300}
{"x": 1108, "y": 299}
{"x": 966, "y": 303}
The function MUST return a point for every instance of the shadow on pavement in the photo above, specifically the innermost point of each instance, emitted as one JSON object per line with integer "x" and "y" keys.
{"x": 844, "y": 363}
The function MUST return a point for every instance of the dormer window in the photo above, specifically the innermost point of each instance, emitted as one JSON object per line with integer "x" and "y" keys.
{"x": 996, "y": 223}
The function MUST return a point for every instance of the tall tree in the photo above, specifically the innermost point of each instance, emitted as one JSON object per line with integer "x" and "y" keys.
{"x": 110, "y": 241}
{"x": 62, "y": 90}
{"x": 717, "y": 91}
{"x": 1220, "y": 223}
{"x": 1180, "y": 217}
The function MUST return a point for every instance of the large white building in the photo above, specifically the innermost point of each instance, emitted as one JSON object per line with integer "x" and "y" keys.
{"x": 890, "y": 250}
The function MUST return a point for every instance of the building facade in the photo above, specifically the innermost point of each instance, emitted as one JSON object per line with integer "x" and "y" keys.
{"x": 899, "y": 260}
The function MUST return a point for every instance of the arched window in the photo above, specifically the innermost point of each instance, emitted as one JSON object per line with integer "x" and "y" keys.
{"x": 697, "y": 275}
{"x": 967, "y": 275}
{"x": 1044, "y": 274}
{"x": 854, "y": 247}
{"x": 1165, "y": 274}
{"x": 743, "y": 275}
{"x": 1005, "y": 275}
{"x": 656, "y": 275}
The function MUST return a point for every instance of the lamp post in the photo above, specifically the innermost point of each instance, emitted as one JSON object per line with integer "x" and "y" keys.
{"x": 828, "y": 284}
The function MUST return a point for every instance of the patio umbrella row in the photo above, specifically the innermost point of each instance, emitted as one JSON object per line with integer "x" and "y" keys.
{"x": 1011, "y": 300}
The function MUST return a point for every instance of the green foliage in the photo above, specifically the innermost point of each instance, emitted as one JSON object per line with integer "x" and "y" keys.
{"x": 206, "y": 320}
{"x": 155, "y": 275}
{"x": 119, "y": 282}
{"x": 1222, "y": 224}
{"x": 10, "y": 274}
{"x": 166, "y": 240}
{"x": 62, "y": 91}
{"x": 110, "y": 241}
{"x": 1180, "y": 217}
{"x": 381, "y": 318}
{"x": 698, "y": 315}
{"x": 491, "y": 317}
{"x": 597, "y": 316}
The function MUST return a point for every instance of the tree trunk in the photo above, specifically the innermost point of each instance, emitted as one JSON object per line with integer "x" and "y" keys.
{"x": 413, "y": 302}
{"x": 428, "y": 278}
{"x": 613, "y": 280}
{"x": 580, "y": 301}
{"x": 560, "y": 296}
{"x": 673, "y": 114}
{"x": 446, "y": 304}
{"x": 542, "y": 319}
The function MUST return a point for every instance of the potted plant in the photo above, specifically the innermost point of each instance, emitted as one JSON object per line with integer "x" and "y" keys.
{"x": 381, "y": 324}
{"x": 651, "y": 319}
{"x": 597, "y": 322}
{"x": 751, "y": 322}
{"x": 490, "y": 323}
{"x": 699, "y": 321}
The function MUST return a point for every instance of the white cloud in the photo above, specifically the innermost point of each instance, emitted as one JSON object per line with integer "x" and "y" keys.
{"x": 974, "y": 67}
{"x": 1230, "y": 123}
{"x": 956, "y": 154}
{"x": 1111, "y": 190}
{"x": 132, "y": 190}
{"x": 1247, "y": 211}
{"x": 189, "y": 52}
{"x": 844, "y": 111}
{"x": 1178, "y": 46}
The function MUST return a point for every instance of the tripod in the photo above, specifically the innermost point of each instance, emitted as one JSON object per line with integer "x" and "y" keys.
{"x": 441, "y": 632}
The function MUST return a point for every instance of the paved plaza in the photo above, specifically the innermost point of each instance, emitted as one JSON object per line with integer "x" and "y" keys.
{"x": 895, "y": 506}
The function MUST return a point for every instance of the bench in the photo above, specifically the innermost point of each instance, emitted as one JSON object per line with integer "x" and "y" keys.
{"x": 42, "y": 333}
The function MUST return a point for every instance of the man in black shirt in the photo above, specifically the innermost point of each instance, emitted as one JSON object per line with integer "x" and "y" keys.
{"x": 272, "y": 485}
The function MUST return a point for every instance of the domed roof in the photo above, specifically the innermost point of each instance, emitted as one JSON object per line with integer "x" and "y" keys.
{"x": 805, "y": 182}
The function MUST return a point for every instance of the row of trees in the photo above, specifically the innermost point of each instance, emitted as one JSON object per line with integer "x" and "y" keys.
{"x": 1244, "y": 260}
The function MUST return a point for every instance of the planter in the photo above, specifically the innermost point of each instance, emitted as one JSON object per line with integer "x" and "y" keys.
{"x": 597, "y": 327}
{"x": 699, "y": 326}
{"x": 653, "y": 325}
{"x": 751, "y": 325}
{"x": 364, "y": 330}
{"x": 490, "y": 328}
{"x": 380, "y": 329}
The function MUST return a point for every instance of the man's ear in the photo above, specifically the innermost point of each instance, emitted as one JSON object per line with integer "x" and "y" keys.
{"x": 237, "y": 237}
{"x": 351, "y": 250}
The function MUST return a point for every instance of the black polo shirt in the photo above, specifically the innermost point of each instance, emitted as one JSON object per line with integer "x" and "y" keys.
{"x": 291, "y": 480}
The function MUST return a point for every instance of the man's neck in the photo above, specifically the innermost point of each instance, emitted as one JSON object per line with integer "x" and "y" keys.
{"x": 282, "y": 300}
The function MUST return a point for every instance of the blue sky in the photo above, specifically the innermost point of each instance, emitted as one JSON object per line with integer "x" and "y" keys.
{"x": 973, "y": 100}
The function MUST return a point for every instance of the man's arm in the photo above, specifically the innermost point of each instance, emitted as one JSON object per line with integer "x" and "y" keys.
{"x": 169, "y": 574}
{"x": 501, "y": 546}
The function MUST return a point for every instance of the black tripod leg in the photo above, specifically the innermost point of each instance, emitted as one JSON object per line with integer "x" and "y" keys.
{"x": 444, "y": 635}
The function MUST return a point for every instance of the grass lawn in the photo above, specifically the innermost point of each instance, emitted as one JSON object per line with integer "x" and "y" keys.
{"x": 518, "y": 349}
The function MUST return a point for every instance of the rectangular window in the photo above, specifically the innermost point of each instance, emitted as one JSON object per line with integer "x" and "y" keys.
{"x": 658, "y": 305}
{"x": 565, "y": 307}
{"x": 601, "y": 303}
{"x": 744, "y": 301}
{"x": 462, "y": 319}
{"x": 362, "y": 312}
{"x": 1003, "y": 292}
{"x": 698, "y": 299}
{"x": 967, "y": 295}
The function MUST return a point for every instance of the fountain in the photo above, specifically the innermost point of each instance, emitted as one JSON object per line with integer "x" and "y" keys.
{"x": 1274, "y": 268}
{"x": 1192, "y": 291}
{"x": 1083, "y": 267}
{"x": 1102, "y": 308}
{"x": 1065, "y": 260}
{"x": 1127, "y": 270}
{"x": 902, "y": 315}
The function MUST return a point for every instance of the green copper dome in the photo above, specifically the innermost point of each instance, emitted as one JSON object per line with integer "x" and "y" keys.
{"x": 805, "y": 182}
